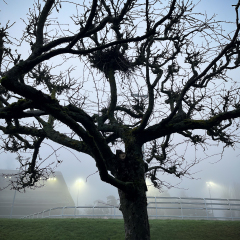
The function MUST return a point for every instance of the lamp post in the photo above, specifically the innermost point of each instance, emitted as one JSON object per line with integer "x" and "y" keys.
{"x": 210, "y": 184}
{"x": 14, "y": 196}
{"x": 79, "y": 181}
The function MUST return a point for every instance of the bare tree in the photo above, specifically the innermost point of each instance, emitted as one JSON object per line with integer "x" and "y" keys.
{"x": 157, "y": 72}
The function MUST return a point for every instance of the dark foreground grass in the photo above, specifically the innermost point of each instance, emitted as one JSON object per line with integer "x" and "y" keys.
{"x": 109, "y": 229}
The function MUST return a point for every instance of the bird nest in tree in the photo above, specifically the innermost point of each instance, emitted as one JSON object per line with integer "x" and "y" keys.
{"x": 110, "y": 59}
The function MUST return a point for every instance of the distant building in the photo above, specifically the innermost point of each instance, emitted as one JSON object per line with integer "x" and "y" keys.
{"x": 54, "y": 194}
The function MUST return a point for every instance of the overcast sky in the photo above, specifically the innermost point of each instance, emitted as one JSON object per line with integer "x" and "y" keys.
{"x": 222, "y": 173}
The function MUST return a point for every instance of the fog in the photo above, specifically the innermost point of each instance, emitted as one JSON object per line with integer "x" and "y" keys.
{"x": 222, "y": 174}
{"x": 223, "y": 171}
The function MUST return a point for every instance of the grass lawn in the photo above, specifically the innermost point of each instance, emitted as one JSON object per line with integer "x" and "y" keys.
{"x": 110, "y": 229}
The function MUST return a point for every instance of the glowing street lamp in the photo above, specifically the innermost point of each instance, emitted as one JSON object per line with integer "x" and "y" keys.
{"x": 210, "y": 184}
{"x": 78, "y": 182}
{"x": 51, "y": 179}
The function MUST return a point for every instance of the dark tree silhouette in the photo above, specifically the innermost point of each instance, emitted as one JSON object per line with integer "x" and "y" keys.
{"x": 156, "y": 72}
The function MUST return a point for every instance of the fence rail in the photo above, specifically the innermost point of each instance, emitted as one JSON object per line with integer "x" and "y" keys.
{"x": 158, "y": 207}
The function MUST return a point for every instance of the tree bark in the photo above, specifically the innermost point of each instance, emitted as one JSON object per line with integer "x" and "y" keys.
{"x": 133, "y": 202}
{"x": 134, "y": 210}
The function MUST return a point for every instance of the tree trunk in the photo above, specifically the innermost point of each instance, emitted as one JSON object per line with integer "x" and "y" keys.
{"x": 130, "y": 167}
{"x": 134, "y": 209}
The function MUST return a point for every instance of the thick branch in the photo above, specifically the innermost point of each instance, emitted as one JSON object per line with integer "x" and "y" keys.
{"x": 196, "y": 78}
{"x": 41, "y": 23}
{"x": 161, "y": 130}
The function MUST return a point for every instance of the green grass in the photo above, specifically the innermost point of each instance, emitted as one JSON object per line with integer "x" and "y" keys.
{"x": 109, "y": 229}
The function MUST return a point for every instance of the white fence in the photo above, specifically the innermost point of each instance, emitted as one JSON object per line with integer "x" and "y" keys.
{"x": 194, "y": 208}
{"x": 158, "y": 208}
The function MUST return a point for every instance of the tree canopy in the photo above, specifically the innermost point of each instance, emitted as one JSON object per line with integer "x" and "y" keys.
{"x": 145, "y": 72}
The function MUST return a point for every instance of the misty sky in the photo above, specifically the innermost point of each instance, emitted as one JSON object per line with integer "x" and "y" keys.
{"x": 222, "y": 173}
